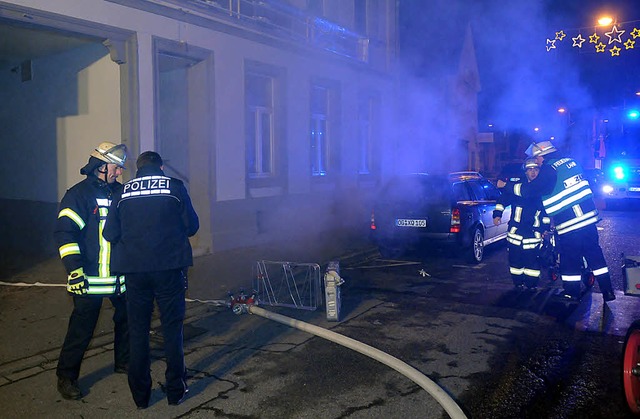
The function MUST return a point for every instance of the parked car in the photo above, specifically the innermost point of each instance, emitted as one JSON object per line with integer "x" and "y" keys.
{"x": 454, "y": 209}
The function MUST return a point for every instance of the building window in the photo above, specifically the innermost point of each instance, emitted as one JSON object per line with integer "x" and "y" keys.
{"x": 259, "y": 125}
{"x": 319, "y": 130}
{"x": 366, "y": 15}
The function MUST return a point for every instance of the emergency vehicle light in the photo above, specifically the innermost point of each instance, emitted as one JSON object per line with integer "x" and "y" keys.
{"x": 618, "y": 172}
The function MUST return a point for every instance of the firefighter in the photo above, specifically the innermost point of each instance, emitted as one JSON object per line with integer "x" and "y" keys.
{"x": 524, "y": 235}
{"x": 568, "y": 199}
{"x": 150, "y": 223}
{"x": 85, "y": 255}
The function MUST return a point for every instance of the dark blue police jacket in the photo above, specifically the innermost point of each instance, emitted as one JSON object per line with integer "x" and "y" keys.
{"x": 149, "y": 224}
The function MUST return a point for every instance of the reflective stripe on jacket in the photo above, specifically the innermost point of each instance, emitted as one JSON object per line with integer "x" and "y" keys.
{"x": 78, "y": 234}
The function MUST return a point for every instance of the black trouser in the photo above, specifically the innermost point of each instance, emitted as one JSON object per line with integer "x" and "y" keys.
{"x": 82, "y": 324}
{"x": 573, "y": 247}
{"x": 167, "y": 288}
{"x": 523, "y": 265}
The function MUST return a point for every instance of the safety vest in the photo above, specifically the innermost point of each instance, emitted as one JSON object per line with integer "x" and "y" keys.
{"x": 571, "y": 189}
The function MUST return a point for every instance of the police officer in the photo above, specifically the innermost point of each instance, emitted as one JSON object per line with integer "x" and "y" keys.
{"x": 524, "y": 235}
{"x": 149, "y": 224}
{"x": 86, "y": 258}
{"x": 568, "y": 199}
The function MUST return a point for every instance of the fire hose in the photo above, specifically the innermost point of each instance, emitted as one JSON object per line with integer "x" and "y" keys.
{"x": 248, "y": 305}
{"x": 243, "y": 304}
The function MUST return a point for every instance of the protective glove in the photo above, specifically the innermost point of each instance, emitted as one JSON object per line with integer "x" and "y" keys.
{"x": 77, "y": 282}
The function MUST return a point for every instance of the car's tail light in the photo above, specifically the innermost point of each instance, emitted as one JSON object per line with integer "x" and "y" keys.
{"x": 373, "y": 220}
{"x": 455, "y": 221}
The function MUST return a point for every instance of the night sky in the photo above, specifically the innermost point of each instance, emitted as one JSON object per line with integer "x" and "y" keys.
{"x": 522, "y": 83}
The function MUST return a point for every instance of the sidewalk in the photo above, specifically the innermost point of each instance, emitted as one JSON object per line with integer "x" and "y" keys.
{"x": 34, "y": 318}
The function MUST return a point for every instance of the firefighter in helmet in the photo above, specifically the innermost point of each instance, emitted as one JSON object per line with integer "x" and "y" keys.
{"x": 86, "y": 255}
{"x": 524, "y": 234}
{"x": 568, "y": 199}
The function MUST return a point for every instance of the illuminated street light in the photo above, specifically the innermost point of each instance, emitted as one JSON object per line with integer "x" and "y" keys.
{"x": 605, "y": 21}
{"x": 562, "y": 110}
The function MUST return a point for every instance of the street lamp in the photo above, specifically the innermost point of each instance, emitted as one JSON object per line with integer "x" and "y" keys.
{"x": 605, "y": 21}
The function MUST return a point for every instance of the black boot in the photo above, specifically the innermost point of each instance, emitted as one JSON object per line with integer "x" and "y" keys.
{"x": 608, "y": 295}
{"x": 68, "y": 388}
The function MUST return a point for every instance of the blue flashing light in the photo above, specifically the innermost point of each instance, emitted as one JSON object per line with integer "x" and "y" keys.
{"x": 633, "y": 114}
{"x": 618, "y": 172}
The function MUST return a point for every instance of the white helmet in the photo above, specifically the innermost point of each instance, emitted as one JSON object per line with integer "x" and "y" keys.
{"x": 540, "y": 149}
{"x": 111, "y": 153}
{"x": 531, "y": 163}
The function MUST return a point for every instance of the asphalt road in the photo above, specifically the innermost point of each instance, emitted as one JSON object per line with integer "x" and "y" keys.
{"x": 543, "y": 358}
{"x": 497, "y": 353}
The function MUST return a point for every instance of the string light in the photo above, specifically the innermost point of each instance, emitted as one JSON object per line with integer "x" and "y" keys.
{"x": 616, "y": 38}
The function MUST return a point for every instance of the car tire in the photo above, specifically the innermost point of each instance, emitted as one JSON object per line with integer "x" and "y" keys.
{"x": 476, "y": 251}
{"x": 630, "y": 364}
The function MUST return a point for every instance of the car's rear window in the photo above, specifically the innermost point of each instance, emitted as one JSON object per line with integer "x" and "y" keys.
{"x": 417, "y": 189}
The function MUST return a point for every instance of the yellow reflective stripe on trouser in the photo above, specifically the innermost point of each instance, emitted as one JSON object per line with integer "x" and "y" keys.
{"x": 571, "y": 278}
{"x": 601, "y": 271}
{"x": 69, "y": 249}
{"x": 531, "y": 272}
{"x": 516, "y": 271}
{"x": 68, "y": 212}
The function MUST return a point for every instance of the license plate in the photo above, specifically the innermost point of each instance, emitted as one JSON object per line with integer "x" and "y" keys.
{"x": 406, "y": 222}
{"x": 634, "y": 189}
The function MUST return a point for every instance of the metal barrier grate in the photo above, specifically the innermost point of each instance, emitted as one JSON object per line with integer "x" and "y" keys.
{"x": 288, "y": 284}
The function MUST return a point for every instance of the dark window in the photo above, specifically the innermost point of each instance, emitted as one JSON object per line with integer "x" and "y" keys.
{"x": 461, "y": 192}
{"x": 478, "y": 191}
{"x": 492, "y": 193}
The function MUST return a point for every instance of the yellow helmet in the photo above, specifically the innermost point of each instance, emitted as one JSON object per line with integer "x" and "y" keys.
{"x": 111, "y": 153}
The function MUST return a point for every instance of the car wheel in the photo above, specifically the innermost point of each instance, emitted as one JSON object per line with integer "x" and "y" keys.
{"x": 477, "y": 246}
{"x": 631, "y": 367}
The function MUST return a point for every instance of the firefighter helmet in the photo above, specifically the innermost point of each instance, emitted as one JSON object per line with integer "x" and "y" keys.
{"x": 111, "y": 153}
{"x": 540, "y": 149}
{"x": 530, "y": 163}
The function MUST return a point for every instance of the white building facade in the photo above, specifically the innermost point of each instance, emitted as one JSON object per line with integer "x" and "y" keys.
{"x": 274, "y": 113}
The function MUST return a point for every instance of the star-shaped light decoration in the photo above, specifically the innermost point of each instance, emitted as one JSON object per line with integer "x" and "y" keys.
{"x": 578, "y": 40}
{"x": 600, "y": 47}
{"x": 560, "y": 35}
{"x": 593, "y": 39}
{"x": 615, "y": 51}
{"x": 635, "y": 33}
{"x": 629, "y": 44}
{"x": 551, "y": 44}
{"x": 423, "y": 273}
{"x": 614, "y": 35}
